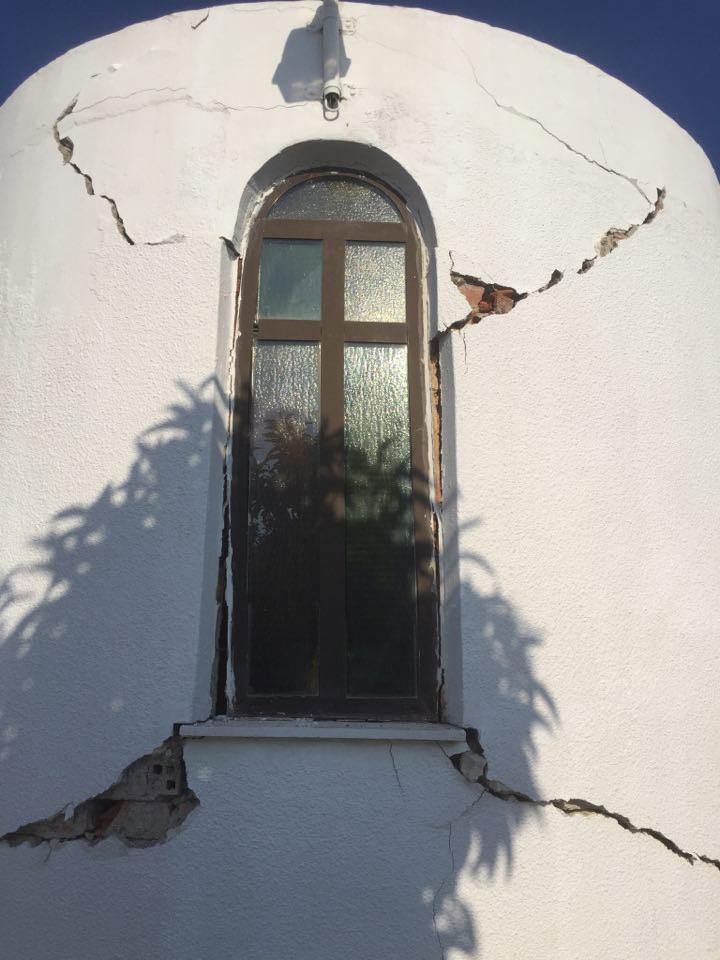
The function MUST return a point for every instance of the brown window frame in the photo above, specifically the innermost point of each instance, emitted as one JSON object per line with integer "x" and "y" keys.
{"x": 332, "y": 332}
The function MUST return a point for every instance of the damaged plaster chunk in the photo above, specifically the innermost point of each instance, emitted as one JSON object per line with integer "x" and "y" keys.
{"x": 555, "y": 278}
{"x": 149, "y": 800}
{"x": 612, "y": 238}
{"x": 475, "y": 771}
{"x": 484, "y": 299}
{"x": 471, "y": 765}
{"x": 488, "y": 299}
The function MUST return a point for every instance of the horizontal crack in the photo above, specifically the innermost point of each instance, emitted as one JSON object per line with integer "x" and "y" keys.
{"x": 473, "y": 766}
{"x": 179, "y": 95}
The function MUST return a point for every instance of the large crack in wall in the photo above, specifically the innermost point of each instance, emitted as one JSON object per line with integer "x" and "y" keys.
{"x": 149, "y": 800}
{"x": 472, "y": 764}
{"x": 151, "y": 797}
{"x": 521, "y": 115}
{"x": 222, "y": 674}
{"x": 486, "y": 299}
{"x": 67, "y": 149}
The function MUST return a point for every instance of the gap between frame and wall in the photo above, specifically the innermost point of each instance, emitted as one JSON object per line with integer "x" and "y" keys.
{"x": 427, "y": 416}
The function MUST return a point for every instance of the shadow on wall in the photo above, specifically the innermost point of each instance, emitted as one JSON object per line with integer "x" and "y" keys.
{"x": 299, "y": 75}
{"x": 481, "y": 840}
{"x": 108, "y": 609}
{"x": 109, "y": 565}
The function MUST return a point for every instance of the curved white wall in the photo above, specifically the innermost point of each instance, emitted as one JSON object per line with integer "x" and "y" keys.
{"x": 581, "y": 542}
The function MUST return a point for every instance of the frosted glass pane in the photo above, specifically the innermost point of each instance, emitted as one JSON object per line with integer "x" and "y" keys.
{"x": 335, "y": 198}
{"x": 290, "y": 280}
{"x": 282, "y": 589}
{"x": 379, "y": 543}
{"x": 375, "y": 282}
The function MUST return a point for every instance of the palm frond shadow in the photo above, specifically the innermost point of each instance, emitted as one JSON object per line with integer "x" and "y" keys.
{"x": 109, "y": 575}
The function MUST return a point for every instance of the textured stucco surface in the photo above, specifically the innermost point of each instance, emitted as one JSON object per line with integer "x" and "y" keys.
{"x": 580, "y": 534}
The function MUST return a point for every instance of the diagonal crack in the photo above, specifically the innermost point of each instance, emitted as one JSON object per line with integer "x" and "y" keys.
{"x": 395, "y": 770}
{"x": 473, "y": 765}
{"x": 487, "y": 299}
{"x": 67, "y": 148}
{"x": 633, "y": 181}
{"x": 194, "y": 26}
{"x": 119, "y": 222}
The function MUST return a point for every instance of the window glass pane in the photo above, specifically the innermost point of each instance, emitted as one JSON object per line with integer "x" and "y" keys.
{"x": 379, "y": 554}
{"x": 282, "y": 497}
{"x": 375, "y": 282}
{"x": 335, "y": 198}
{"x": 290, "y": 280}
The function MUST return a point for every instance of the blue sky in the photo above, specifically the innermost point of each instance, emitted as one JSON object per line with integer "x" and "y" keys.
{"x": 668, "y": 50}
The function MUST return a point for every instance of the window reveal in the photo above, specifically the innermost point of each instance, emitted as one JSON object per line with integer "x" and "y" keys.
{"x": 334, "y": 605}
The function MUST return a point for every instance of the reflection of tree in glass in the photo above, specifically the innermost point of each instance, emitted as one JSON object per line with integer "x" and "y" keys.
{"x": 290, "y": 497}
{"x": 282, "y": 578}
{"x": 108, "y": 591}
{"x": 380, "y": 570}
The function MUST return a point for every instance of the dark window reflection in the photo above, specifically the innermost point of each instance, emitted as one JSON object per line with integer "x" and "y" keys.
{"x": 379, "y": 555}
{"x": 283, "y": 502}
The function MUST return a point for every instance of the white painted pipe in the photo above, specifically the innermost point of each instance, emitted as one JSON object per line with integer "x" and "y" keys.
{"x": 332, "y": 90}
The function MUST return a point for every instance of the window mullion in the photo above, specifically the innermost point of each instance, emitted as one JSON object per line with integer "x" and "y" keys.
{"x": 331, "y": 532}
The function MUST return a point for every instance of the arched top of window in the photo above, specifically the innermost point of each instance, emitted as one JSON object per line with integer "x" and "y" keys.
{"x": 335, "y": 197}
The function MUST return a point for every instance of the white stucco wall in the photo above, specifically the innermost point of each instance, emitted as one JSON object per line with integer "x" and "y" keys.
{"x": 581, "y": 541}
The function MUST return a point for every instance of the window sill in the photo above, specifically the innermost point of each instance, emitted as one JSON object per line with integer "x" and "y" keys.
{"x": 258, "y": 729}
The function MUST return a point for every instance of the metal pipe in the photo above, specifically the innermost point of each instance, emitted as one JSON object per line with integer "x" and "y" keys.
{"x": 332, "y": 90}
{"x": 327, "y": 19}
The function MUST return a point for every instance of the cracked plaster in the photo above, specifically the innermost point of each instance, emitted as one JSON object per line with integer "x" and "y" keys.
{"x": 148, "y": 802}
{"x": 473, "y": 766}
{"x": 486, "y": 298}
{"x": 536, "y": 176}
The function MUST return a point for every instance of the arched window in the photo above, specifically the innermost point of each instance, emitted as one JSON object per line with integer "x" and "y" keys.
{"x": 334, "y": 611}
